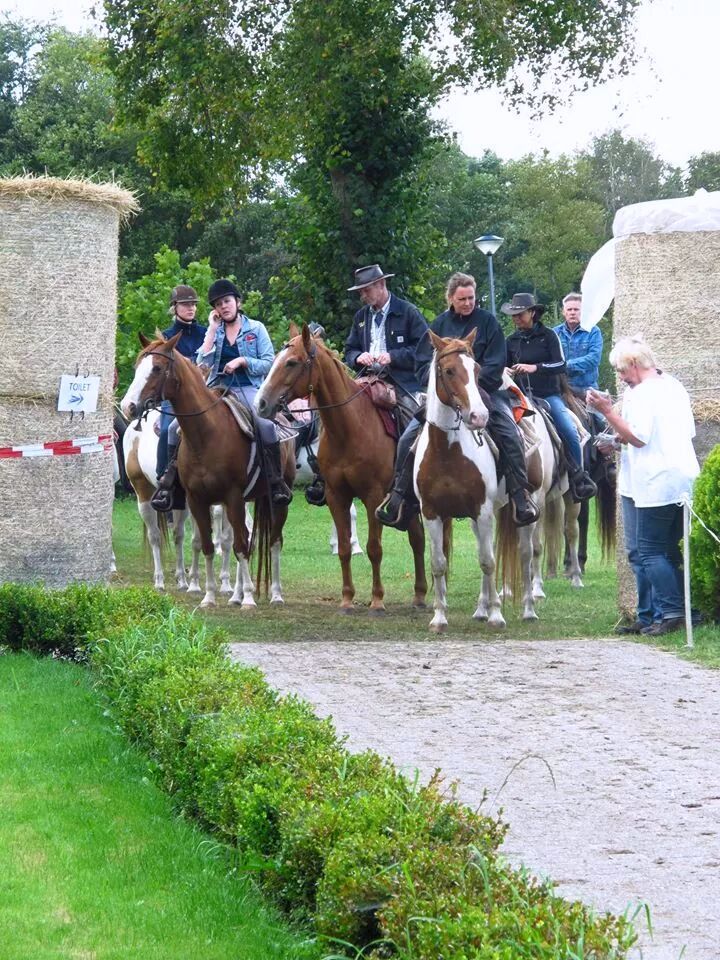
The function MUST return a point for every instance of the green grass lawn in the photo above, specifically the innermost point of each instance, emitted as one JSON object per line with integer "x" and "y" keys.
{"x": 312, "y": 590}
{"x": 93, "y": 863}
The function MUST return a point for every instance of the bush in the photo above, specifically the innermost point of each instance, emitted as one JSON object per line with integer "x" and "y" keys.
{"x": 340, "y": 840}
{"x": 704, "y": 551}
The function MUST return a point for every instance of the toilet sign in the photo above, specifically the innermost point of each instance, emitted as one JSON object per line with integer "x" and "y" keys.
{"x": 78, "y": 394}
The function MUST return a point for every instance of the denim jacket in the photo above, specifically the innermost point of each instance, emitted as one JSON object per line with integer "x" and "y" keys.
{"x": 253, "y": 342}
{"x": 583, "y": 350}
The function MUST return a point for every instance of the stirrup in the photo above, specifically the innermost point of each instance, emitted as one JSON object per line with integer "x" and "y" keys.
{"x": 315, "y": 493}
{"x": 396, "y": 512}
{"x": 582, "y": 487}
{"x": 162, "y": 500}
{"x": 281, "y": 494}
{"x": 531, "y": 514}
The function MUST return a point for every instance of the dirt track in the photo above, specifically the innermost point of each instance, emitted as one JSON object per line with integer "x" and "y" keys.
{"x": 605, "y": 756}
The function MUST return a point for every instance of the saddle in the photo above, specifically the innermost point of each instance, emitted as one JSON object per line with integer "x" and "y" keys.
{"x": 384, "y": 398}
{"x": 245, "y": 419}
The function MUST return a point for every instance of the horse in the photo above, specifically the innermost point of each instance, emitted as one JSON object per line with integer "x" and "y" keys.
{"x": 455, "y": 474}
{"x": 140, "y": 461}
{"x": 217, "y": 464}
{"x": 355, "y": 454}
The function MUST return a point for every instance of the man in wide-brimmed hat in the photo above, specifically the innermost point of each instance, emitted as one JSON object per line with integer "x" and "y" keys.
{"x": 535, "y": 354}
{"x": 385, "y": 333}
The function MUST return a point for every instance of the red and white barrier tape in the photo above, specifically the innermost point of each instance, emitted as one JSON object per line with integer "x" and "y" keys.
{"x": 59, "y": 448}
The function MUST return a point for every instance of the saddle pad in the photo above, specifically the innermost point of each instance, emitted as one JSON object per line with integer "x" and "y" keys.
{"x": 388, "y": 422}
{"x": 244, "y": 419}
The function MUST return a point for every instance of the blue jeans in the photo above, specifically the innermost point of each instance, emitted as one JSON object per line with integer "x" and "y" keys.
{"x": 659, "y": 530}
{"x": 566, "y": 427}
{"x": 647, "y": 609}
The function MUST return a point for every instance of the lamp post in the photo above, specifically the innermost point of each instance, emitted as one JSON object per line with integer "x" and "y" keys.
{"x": 489, "y": 244}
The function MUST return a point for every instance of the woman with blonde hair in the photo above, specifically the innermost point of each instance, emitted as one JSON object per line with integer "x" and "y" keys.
{"x": 657, "y": 468}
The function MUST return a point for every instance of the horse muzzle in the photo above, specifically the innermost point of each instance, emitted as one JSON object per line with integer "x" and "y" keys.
{"x": 476, "y": 421}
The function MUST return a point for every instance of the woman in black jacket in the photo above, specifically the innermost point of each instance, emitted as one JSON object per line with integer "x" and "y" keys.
{"x": 534, "y": 353}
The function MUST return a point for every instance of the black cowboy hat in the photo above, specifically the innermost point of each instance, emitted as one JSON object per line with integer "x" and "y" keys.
{"x": 367, "y": 275}
{"x": 522, "y": 302}
{"x": 183, "y": 294}
{"x": 222, "y": 288}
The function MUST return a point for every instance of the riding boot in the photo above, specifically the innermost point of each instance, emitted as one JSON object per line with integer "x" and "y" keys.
{"x": 315, "y": 491}
{"x": 582, "y": 486}
{"x": 512, "y": 458}
{"x": 400, "y": 505}
{"x": 280, "y": 492}
{"x": 163, "y": 500}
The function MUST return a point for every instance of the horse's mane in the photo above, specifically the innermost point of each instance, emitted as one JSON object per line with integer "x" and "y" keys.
{"x": 336, "y": 359}
{"x": 159, "y": 342}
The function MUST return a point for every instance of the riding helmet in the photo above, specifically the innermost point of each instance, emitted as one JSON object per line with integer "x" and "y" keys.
{"x": 183, "y": 294}
{"x": 222, "y": 288}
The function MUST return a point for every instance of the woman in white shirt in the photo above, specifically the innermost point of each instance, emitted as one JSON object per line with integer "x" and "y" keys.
{"x": 657, "y": 469}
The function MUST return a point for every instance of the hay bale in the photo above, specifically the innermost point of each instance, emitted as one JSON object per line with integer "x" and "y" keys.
{"x": 667, "y": 287}
{"x": 58, "y": 303}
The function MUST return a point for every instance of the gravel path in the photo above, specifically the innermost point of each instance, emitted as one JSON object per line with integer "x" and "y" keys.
{"x": 604, "y": 756}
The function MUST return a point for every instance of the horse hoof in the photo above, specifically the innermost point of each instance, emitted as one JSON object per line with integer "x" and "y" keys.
{"x": 530, "y": 616}
{"x": 194, "y": 588}
{"x": 234, "y": 601}
{"x": 420, "y": 605}
{"x": 438, "y": 627}
{"x": 497, "y": 624}
{"x": 377, "y": 612}
{"x": 248, "y": 607}
{"x": 356, "y": 550}
{"x": 345, "y": 611}
{"x": 277, "y": 602}
{"x": 481, "y": 616}
{"x": 539, "y": 595}
{"x": 577, "y": 583}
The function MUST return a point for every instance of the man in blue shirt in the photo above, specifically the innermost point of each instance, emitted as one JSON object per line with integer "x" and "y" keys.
{"x": 582, "y": 348}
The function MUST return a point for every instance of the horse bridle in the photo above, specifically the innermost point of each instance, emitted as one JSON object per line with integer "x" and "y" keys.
{"x": 309, "y": 363}
{"x": 477, "y": 434}
{"x": 149, "y": 405}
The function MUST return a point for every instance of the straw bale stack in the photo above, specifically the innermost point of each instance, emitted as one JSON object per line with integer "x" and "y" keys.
{"x": 58, "y": 301}
{"x": 667, "y": 287}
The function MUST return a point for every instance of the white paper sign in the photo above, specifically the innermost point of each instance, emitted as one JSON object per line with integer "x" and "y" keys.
{"x": 78, "y": 394}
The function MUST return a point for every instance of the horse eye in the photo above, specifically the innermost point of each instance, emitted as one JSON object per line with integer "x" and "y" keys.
{"x": 291, "y": 363}
{"x": 156, "y": 368}
{"x": 450, "y": 373}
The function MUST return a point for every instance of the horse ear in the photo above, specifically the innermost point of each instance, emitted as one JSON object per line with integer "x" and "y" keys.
{"x": 470, "y": 338}
{"x": 294, "y": 331}
{"x": 307, "y": 337}
{"x": 437, "y": 342}
{"x": 145, "y": 341}
{"x": 172, "y": 342}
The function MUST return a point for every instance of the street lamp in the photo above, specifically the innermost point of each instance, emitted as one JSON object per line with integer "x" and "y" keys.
{"x": 489, "y": 244}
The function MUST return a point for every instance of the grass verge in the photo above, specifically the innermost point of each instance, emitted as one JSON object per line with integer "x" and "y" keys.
{"x": 94, "y": 865}
{"x": 311, "y": 584}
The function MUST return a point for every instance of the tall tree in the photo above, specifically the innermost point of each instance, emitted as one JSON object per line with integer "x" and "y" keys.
{"x": 703, "y": 172}
{"x": 340, "y": 91}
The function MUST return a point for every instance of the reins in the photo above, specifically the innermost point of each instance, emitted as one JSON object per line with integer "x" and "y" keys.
{"x": 476, "y": 434}
{"x": 309, "y": 363}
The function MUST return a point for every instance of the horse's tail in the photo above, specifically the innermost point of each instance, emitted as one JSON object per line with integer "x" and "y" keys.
{"x": 447, "y": 545}
{"x": 553, "y": 529}
{"x": 507, "y": 552}
{"x": 260, "y": 542}
{"x": 606, "y": 516}
{"x": 164, "y": 534}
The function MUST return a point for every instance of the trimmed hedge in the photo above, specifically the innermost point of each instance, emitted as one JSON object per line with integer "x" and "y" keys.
{"x": 704, "y": 551}
{"x": 374, "y": 861}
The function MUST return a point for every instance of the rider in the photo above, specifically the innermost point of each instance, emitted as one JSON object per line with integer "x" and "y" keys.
{"x": 457, "y": 321}
{"x": 385, "y": 333}
{"x": 535, "y": 352}
{"x": 239, "y": 352}
{"x": 183, "y": 308}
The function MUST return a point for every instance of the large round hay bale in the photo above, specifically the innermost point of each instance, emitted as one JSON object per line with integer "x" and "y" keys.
{"x": 667, "y": 287}
{"x": 58, "y": 304}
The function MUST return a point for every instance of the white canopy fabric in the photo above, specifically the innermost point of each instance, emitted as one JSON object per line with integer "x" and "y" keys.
{"x": 695, "y": 214}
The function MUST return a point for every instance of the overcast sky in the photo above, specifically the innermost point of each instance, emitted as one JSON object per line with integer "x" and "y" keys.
{"x": 669, "y": 99}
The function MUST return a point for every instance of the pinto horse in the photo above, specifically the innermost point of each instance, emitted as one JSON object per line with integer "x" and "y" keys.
{"x": 215, "y": 466}
{"x": 455, "y": 472}
{"x": 356, "y": 455}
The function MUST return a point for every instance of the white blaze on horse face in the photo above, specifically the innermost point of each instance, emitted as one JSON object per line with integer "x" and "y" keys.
{"x": 142, "y": 373}
{"x": 264, "y": 401}
{"x": 476, "y": 414}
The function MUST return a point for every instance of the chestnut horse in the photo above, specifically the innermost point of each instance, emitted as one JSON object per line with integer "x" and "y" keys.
{"x": 455, "y": 472}
{"x": 356, "y": 455}
{"x": 215, "y": 466}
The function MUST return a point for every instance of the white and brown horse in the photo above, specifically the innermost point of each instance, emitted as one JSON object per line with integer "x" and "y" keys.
{"x": 140, "y": 443}
{"x": 455, "y": 473}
